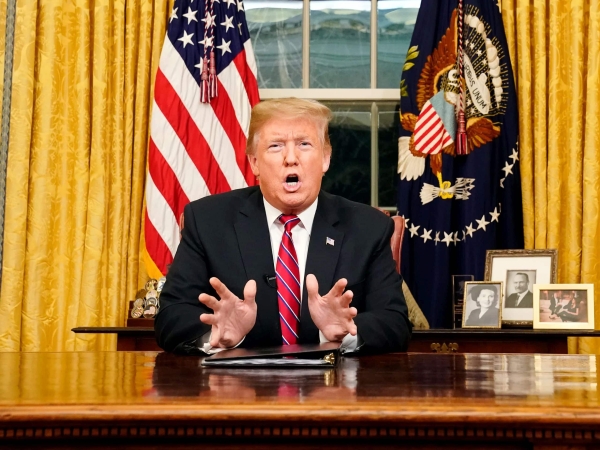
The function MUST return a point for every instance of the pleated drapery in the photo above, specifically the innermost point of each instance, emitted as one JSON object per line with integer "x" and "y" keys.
{"x": 555, "y": 52}
{"x": 77, "y": 159}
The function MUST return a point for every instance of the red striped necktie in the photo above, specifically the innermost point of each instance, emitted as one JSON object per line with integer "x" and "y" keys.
{"x": 288, "y": 282}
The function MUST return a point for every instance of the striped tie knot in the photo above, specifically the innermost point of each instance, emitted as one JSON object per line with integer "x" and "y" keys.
{"x": 289, "y": 221}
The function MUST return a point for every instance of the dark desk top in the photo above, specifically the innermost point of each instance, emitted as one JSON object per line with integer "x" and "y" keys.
{"x": 148, "y": 387}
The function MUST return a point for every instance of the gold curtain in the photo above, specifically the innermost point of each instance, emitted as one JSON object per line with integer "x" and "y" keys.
{"x": 554, "y": 48}
{"x": 81, "y": 97}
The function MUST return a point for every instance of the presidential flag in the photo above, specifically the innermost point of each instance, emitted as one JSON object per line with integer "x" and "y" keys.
{"x": 459, "y": 187}
{"x": 204, "y": 91}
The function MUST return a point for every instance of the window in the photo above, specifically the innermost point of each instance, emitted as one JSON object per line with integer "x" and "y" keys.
{"x": 328, "y": 50}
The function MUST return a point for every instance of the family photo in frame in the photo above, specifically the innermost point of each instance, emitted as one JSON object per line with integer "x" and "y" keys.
{"x": 519, "y": 270}
{"x": 564, "y": 306}
{"x": 482, "y": 304}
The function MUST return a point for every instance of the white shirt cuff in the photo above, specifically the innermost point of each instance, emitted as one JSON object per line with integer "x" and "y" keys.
{"x": 208, "y": 349}
{"x": 349, "y": 343}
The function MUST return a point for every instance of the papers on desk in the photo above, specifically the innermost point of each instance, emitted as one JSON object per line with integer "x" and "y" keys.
{"x": 322, "y": 355}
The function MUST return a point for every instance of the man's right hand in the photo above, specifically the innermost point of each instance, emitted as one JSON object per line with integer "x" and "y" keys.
{"x": 232, "y": 317}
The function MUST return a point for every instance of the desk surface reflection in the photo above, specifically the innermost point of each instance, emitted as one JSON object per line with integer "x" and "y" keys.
{"x": 141, "y": 395}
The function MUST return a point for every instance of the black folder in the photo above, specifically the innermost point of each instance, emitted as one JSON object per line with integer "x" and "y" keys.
{"x": 289, "y": 356}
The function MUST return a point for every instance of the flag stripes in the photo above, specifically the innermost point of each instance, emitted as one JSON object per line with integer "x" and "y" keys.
{"x": 197, "y": 149}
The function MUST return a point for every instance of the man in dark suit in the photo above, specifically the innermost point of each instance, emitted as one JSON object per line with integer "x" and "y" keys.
{"x": 247, "y": 254}
{"x": 522, "y": 297}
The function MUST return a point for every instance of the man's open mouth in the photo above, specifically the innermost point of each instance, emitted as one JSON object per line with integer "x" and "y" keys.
{"x": 291, "y": 180}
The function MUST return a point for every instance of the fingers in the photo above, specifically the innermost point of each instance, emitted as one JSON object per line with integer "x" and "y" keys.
{"x": 208, "y": 319}
{"x": 338, "y": 288}
{"x": 250, "y": 291}
{"x": 346, "y": 299}
{"x": 209, "y": 301}
{"x": 220, "y": 287}
{"x": 312, "y": 286}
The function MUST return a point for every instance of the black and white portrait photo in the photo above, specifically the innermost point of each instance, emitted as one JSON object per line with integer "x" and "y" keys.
{"x": 519, "y": 288}
{"x": 482, "y": 305}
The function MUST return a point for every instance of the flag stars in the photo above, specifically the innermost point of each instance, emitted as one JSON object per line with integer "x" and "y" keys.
{"x": 455, "y": 238}
{"x": 228, "y": 23}
{"x": 229, "y": 3}
{"x": 507, "y": 169}
{"x": 514, "y": 156}
{"x": 240, "y": 27}
{"x": 437, "y": 237}
{"x": 469, "y": 230}
{"x": 186, "y": 38}
{"x": 173, "y": 15}
{"x": 478, "y": 52}
{"x": 209, "y": 20}
{"x": 224, "y": 47}
{"x": 240, "y": 5}
{"x": 426, "y": 235}
{"x": 206, "y": 42}
{"x": 414, "y": 230}
{"x": 482, "y": 223}
{"x": 191, "y": 15}
{"x": 495, "y": 214}
{"x": 405, "y": 222}
{"x": 447, "y": 239}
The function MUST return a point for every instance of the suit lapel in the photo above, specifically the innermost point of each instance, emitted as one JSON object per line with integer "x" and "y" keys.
{"x": 323, "y": 253}
{"x": 254, "y": 242}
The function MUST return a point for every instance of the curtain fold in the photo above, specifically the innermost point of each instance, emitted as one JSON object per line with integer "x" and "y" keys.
{"x": 555, "y": 51}
{"x": 76, "y": 169}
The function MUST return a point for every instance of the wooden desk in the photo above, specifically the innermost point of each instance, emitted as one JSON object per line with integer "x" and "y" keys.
{"x": 139, "y": 399}
{"x": 439, "y": 341}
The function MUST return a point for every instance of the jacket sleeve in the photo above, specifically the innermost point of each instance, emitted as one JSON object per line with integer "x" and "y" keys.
{"x": 383, "y": 326}
{"x": 177, "y": 325}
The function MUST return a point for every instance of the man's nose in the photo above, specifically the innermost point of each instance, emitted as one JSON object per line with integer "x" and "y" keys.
{"x": 290, "y": 158}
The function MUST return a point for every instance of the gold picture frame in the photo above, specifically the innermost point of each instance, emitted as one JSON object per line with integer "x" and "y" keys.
{"x": 519, "y": 270}
{"x": 563, "y": 306}
{"x": 475, "y": 313}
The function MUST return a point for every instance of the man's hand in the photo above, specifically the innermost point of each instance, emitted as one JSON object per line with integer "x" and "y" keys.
{"x": 332, "y": 313}
{"x": 232, "y": 318}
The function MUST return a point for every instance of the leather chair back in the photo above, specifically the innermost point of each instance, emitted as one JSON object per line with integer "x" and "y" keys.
{"x": 396, "y": 241}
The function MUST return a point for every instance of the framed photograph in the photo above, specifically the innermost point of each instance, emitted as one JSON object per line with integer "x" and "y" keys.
{"x": 563, "y": 306}
{"x": 519, "y": 270}
{"x": 482, "y": 305}
{"x": 458, "y": 296}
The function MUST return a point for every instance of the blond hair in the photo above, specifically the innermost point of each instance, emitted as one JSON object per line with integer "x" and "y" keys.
{"x": 289, "y": 108}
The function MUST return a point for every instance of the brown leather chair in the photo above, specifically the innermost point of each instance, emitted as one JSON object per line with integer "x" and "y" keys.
{"x": 396, "y": 240}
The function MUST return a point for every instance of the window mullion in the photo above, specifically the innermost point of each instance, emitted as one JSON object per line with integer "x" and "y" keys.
{"x": 306, "y": 44}
{"x": 373, "y": 44}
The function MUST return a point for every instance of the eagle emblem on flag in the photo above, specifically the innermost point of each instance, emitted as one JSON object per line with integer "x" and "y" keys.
{"x": 438, "y": 96}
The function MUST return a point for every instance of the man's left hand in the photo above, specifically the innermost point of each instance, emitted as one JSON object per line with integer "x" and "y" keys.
{"x": 331, "y": 313}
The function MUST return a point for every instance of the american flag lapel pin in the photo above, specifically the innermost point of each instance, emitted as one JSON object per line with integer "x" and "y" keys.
{"x": 329, "y": 241}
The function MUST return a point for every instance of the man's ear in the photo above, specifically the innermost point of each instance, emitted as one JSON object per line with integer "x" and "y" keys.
{"x": 326, "y": 162}
{"x": 253, "y": 160}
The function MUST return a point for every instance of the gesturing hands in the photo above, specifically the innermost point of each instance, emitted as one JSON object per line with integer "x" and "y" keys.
{"x": 232, "y": 317}
{"x": 331, "y": 313}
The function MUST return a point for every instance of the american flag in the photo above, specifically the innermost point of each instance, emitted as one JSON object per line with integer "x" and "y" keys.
{"x": 197, "y": 148}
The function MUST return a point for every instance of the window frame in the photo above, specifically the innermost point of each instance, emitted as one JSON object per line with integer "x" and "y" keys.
{"x": 372, "y": 94}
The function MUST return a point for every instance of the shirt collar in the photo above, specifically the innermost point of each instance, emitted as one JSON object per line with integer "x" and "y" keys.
{"x": 306, "y": 217}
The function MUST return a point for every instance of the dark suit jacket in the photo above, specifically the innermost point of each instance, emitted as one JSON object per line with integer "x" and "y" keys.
{"x": 489, "y": 318}
{"x": 227, "y": 236}
{"x": 527, "y": 302}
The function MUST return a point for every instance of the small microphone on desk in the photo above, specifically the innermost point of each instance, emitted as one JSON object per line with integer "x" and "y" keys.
{"x": 271, "y": 280}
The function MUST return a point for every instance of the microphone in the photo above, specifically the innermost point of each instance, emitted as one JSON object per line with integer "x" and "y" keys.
{"x": 271, "y": 280}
